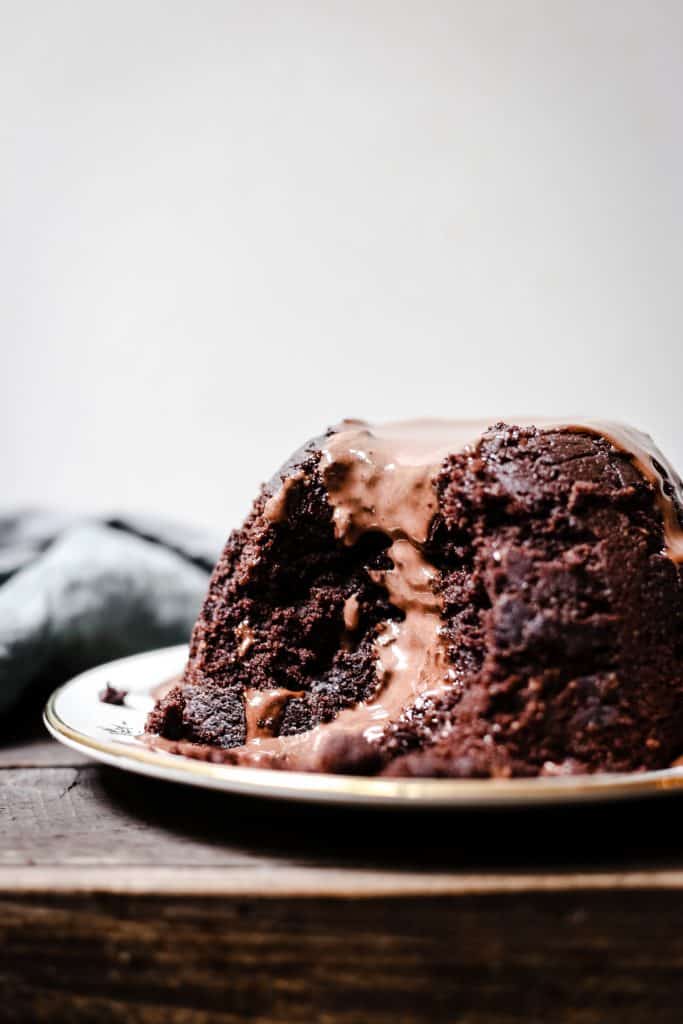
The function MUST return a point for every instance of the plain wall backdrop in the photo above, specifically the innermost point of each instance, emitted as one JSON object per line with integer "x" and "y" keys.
{"x": 225, "y": 225}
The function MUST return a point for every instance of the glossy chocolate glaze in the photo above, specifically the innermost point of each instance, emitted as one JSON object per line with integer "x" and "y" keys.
{"x": 656, "y": 468}
{"x": 263, "y": 708}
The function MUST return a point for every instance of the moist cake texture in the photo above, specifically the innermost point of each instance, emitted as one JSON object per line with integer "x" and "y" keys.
{"x": 444, "y": 599}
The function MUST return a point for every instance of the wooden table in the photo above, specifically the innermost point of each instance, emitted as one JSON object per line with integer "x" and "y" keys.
{"x": 127, "y": 899}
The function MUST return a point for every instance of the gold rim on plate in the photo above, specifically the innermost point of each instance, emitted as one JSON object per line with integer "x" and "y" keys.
{"x": 359, "y": 790}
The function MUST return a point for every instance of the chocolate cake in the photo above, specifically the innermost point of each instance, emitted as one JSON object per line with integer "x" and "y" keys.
{"x": 438, "y": 599}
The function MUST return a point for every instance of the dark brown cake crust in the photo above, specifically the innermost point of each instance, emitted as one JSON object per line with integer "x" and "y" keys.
{"x": 561, "y": 610}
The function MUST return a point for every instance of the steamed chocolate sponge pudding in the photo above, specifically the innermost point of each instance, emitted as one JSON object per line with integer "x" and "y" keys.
{"x": 444, "y": 599}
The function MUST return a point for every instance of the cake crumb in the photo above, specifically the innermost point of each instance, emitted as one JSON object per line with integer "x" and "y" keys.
{"x": 110, "y": 695}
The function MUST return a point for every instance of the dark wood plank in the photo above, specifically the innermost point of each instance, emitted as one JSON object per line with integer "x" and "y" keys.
{"x": 94, "y": 816}
{"x": 569, "y": 958}
{"x": 41, "y": 752}
{"x": 25, "y": 743}
{"x": 89, "y": 816}
{"x": 127, "y": 899}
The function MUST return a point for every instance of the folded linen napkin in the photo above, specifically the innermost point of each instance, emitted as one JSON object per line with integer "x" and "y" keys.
{"x": 77, "y": 591}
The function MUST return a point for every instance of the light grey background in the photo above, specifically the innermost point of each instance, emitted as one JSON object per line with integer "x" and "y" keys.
{"x": 224, "y": 225}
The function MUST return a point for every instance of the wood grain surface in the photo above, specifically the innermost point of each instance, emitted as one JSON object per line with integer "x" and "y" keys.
{"x": 127, "y": 899}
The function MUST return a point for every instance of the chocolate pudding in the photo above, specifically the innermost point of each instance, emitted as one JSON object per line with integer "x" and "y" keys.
{"x": 439, "y": 598}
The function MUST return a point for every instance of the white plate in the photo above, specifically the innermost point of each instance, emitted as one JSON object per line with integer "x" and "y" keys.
{"x": 76, "y": 716}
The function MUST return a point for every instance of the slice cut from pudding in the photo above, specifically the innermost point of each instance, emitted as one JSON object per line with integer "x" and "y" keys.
{"x": 438, "y": 598}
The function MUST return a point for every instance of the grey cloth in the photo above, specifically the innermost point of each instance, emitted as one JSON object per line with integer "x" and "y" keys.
{"x": 79, "y": 591}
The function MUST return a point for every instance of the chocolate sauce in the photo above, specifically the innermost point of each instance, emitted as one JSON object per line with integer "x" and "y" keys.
{"x": 656, "y": 468}
{"x": 263, "y": 709}
{"x": 275, "y": 509}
